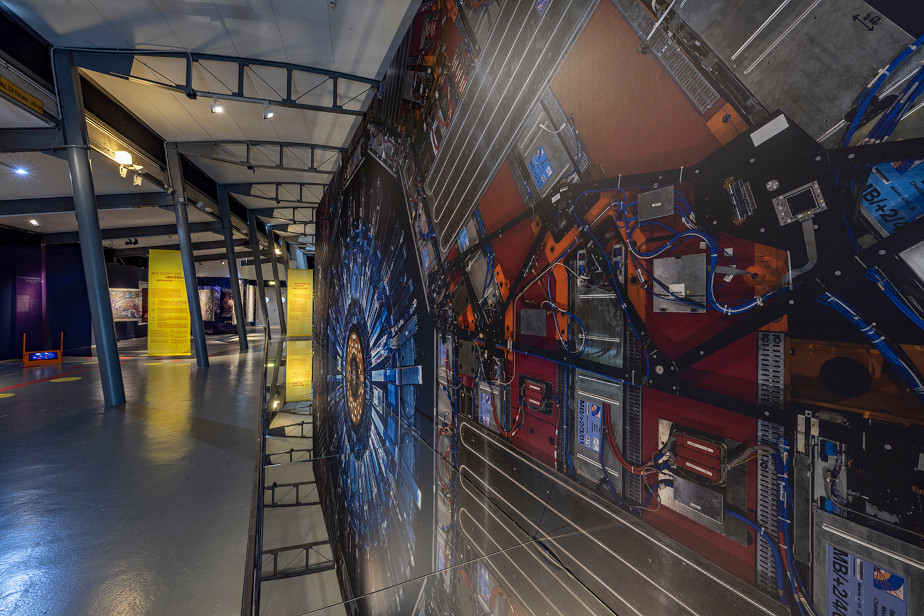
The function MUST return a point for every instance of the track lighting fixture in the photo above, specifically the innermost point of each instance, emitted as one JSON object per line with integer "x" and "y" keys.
{"x": 217, "y": 107}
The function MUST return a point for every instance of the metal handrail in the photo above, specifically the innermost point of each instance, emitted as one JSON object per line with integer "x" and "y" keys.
{"x": 250, "y": 601}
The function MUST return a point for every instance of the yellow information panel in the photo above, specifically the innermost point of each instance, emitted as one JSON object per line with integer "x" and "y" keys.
{"x": 298, "y": 370}
{"x": 299, "y": 298}
{"x": 168, "y": 308}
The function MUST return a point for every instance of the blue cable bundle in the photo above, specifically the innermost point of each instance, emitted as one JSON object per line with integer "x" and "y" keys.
{"x": 867, "y": 96}
{"x": 906, "y": 372}
{"x": 892, "y": 293}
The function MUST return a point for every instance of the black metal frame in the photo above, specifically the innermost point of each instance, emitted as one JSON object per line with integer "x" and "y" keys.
{"x": 283, "y": 149}
{"x": 118, "y": 63}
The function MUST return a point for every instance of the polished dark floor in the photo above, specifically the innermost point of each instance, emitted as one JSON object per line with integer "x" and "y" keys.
{"x": 141, "y": 509}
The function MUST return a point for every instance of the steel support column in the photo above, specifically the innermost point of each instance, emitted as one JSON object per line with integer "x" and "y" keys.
{"x": 271, "y": 248}
{"x": 91, "y": 243}
{"x": 258, "y": 270}
{"x": 175, "y": 175}
{"x": 227, "y": 230}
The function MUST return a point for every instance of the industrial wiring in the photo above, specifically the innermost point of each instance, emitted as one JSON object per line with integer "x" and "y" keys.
{"x": 518, "y": 421}
{"x": 783, "y": 516}
{"x": 630, "y": 468}
{"x": 889, "y": 120}
{"x": 565, "y": 419}
{"x": 894, "y": 296}
{"x": 870, "y": 91}
{"x": 781, "y": 592}
{"x": 609, "y": 267}
{"x": 882, "y": 344}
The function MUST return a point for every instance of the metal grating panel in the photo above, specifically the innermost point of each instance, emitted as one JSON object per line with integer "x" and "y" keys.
{"x": 770, "y": 380}
{"x": 684, "y": 73}
{"x": 768, "y": 433}
{"x": 633, "y": 422}
{"x": 561, "y": 387}
{"x": 770, "y": 368}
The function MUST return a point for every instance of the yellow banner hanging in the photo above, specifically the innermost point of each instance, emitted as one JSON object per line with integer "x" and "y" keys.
{"x": 298, "y": 370}
{"x": 299, "y": 298}
{"x": 168, "y": 308}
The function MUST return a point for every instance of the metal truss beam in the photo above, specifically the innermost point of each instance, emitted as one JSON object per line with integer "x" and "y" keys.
{"x": 277, "y": 190}
{"x": 131, "y": 251}
{"x": 119, "y": 63}
{"x": 59, "y": 205}
{"x": 270, "y": 212}
{"x": 286, "y": 156}
{"x": 30, "y": 139}
{"x": 221, "y": 256}
{"x": 127, "y": 232}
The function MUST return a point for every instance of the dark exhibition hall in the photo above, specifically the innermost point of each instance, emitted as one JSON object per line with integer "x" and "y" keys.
{"x": 461, "y": 307}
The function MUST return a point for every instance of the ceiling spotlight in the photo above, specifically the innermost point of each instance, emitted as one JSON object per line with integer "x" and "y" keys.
{"x": 217, "y": 107}
{"x": 267, "y": 112}
{"x": 34, "y": 222}
{"x": 21, "y": 171}
{"x": 278, "y": 252}
{"x": 122, "y": 157}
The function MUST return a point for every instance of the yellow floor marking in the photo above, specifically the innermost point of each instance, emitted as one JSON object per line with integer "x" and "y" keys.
{"x": 65, "y": 379}
{"x": 7, "y": 395}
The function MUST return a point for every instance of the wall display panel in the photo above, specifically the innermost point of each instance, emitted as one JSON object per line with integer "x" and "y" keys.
{"x": 299, "y": 302}
{"x": 168, "y": 310}
{"x": 677, "y": 338}
{"x": 373, "y": 405}
{"x": 126, "y": 304}
{"x": 207, "y": 303}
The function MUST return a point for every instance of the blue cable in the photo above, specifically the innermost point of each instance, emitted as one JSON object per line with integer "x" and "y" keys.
{"x": 889, "y": 120}
{"x": 774, "y": 549}
{"x": 870, "y": 91}
{"x": 892, "y": 293}
{"x": 878, "y": 340}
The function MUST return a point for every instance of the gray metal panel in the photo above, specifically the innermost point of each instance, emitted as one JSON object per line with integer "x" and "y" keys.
{"x": 656, "y": 203}
{"x": 689, "y": 271}
{"x": 700, "y": 504}
{"x": 533, "y": 321}
{"x": 597, "y": 390}
{"x": 876, "y": 548}
{"x": 521, "y": 56}
{"x": 568, "y": 135}
{"x": 600, "y": 312}
{"x": 811, "y": 60}
{"x": 534, "y": 137}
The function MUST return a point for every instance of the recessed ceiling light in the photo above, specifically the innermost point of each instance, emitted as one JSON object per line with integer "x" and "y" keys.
{"x": 267, "y": 112}
{"x": 34, "y": 222}
{"x": 122, "y": 157}
{"x": 217, "y": 107}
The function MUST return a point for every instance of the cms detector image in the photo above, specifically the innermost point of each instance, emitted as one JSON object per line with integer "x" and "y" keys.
{"x": 370, "y": 450}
